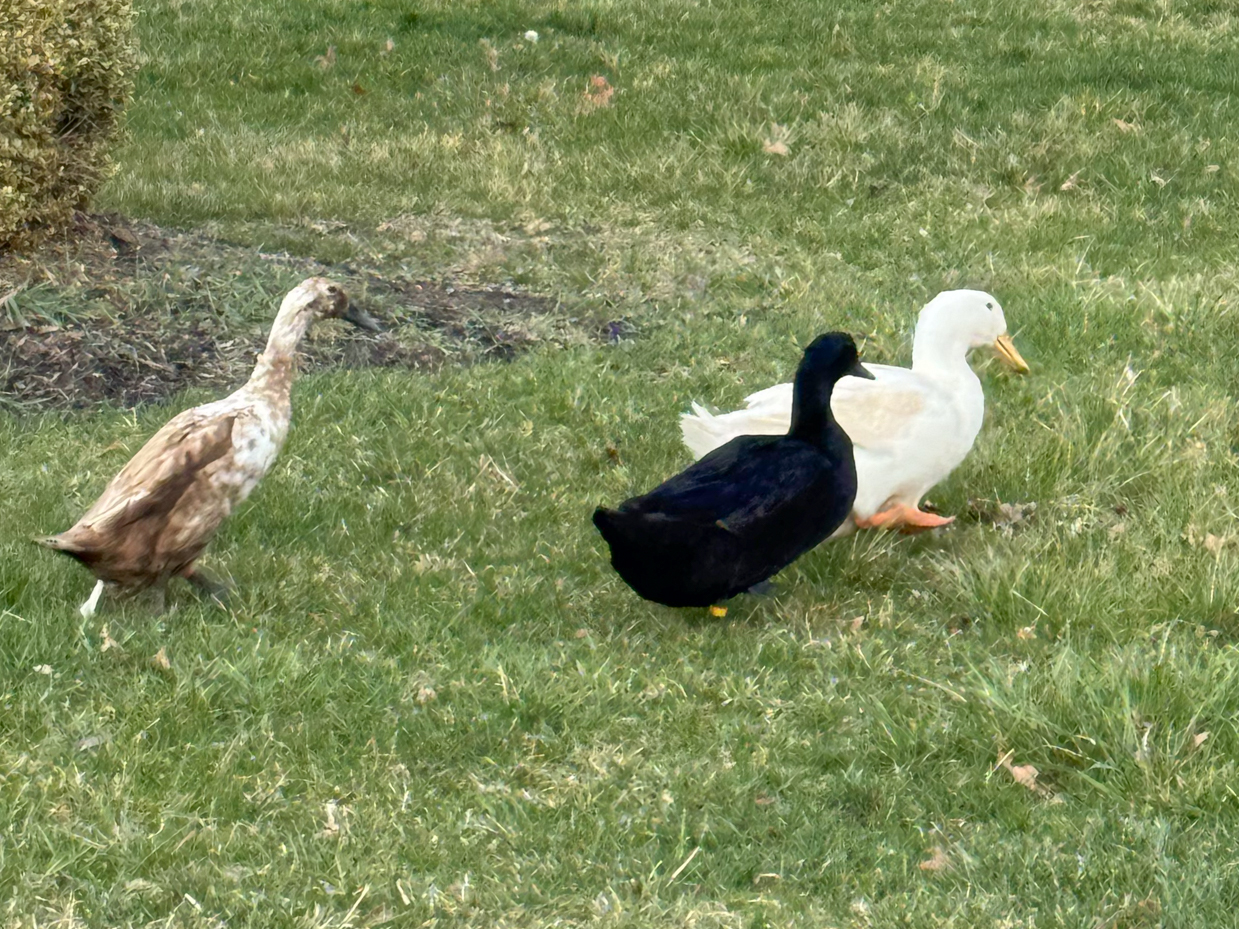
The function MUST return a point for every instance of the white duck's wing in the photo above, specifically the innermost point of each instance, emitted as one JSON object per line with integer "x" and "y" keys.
{"x": 881, "y": 414}
{"x": 768, "y": 412}
{"x": 875, "y": 414}
{"x": 773, "y": 401}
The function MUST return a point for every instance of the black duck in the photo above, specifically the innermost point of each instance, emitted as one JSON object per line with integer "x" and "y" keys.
{"x": 749, "y": 508}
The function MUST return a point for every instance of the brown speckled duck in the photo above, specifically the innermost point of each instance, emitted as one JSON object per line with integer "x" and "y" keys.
{"x": 158, "y": 514}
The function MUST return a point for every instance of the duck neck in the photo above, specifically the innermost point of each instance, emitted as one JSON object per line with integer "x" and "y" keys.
{"x": 811, "y": 416}
{"x": 939, "y": 349}
{"x": 277, "y": 365}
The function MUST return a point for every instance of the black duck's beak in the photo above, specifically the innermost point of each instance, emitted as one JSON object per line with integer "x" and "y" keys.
{"x": 859, "y": 370}
{"x": 360, "y": 319}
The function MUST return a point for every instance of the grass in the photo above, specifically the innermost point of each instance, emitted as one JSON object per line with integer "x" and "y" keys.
{"x": 434, "y": 703}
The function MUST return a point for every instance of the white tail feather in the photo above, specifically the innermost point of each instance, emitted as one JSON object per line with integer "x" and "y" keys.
{"x": 704, "y": 431}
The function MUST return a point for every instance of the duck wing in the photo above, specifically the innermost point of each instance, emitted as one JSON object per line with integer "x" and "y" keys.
{"x": 742, "y": 483}
{"x": 879, "y": 414}
{"x": 153, "y": 481}
{"x": 769, "y": 411}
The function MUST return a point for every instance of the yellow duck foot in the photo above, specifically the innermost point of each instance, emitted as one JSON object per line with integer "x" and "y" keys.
{"x": 718, "y": 611}
{"x": 87, "y": 609}
{"x": 904, "y": 518}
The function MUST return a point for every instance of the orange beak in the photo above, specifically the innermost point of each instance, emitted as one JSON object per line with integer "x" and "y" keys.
{"x": 1009, "y": 355}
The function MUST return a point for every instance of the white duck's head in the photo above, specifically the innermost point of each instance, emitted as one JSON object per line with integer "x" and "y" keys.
{"x": 958, "y": 320}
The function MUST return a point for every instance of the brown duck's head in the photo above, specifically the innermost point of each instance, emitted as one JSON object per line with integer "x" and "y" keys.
{"x": 328, "y": 300}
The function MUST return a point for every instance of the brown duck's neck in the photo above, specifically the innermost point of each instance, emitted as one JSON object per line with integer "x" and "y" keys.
{"x": 277, "y": 365}
{"x": 274, "y": 376}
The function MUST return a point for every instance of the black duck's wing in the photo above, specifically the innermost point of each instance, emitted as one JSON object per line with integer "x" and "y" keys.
{"x": 746, "y": 480}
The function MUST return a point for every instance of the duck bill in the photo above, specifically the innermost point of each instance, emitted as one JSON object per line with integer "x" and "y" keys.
{"x": 1009, "y": 355}
{"x": 859, "y": 370}
{"x": 360, "y": 318}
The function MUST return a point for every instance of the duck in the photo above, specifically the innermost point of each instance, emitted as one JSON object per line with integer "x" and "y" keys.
{"x": 910, "y": 428}
{"x": 749, "y": 508}
{"x": 157, "y": 515}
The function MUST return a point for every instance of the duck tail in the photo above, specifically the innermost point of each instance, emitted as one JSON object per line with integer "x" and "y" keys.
{"x": 604, "y": 521}
{"x": 703, "y": 431}
{"x": 65, "y": 546}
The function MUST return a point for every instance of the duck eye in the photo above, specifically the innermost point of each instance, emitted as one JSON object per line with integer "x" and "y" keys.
{"x": 989, "y": 306}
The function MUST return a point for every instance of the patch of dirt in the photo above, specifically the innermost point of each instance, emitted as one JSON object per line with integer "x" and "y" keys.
{"x": 124, "y": 312}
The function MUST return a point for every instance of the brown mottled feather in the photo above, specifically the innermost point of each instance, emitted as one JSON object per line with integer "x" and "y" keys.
{"x": 148, "y": 523}
{"x": 158, "y": 514}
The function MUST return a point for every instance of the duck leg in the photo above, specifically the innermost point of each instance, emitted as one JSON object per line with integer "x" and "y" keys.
{"x": 904, "y": 518}
{"x": 205, "y": 584}
{"x": 87, "y": 609}
{"x": 158, "y": 597}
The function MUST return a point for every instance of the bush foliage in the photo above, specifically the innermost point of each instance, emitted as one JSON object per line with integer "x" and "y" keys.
{"x": 65, "y": 69}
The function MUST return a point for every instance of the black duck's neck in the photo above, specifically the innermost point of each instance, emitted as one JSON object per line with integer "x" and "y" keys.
{"x": 811, "y": 416}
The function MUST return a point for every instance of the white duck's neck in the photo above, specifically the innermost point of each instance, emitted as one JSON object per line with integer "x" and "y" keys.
{"x": 940, "y": 349}
{"x": 277, "y": 365}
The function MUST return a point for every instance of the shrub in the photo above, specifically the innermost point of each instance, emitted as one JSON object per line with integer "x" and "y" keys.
{"x": 65, "y": 68}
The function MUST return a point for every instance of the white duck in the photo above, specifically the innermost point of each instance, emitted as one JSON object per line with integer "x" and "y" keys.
{"x": 909, "y": 427}
{"x": 157, "y": 515}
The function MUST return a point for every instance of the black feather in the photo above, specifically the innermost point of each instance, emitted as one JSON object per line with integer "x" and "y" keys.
{"x": 749, "y": 508}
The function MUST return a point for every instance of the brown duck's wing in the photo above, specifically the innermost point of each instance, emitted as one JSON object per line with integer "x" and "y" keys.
{"x": 152, "y": 483}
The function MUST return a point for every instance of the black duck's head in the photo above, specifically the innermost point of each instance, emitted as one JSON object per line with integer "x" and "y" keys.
{"x": 829, "y": 357}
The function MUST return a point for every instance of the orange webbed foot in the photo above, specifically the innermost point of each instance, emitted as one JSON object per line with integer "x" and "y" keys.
{"x": 904, "y": 518}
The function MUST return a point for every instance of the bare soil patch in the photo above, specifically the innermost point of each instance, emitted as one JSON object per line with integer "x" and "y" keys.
{"x": 124, "y": 312}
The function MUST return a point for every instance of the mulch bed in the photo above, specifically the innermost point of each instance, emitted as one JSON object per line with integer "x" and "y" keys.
{"x": 121, "y": 312}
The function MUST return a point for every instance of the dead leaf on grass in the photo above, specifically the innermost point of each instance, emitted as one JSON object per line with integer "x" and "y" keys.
{"x": 1005, "y": 517}
{"x": 1012, "y": 514}
{"x": 1199, "y": 739}
{"x": 937, "y": 861}
{"x": 332, "y": 828}
{"x": 1214, "y": 544}
{"x": 1024, "y": 774}
{"x": 326, "y": 61}
{"x": 597, "y": 95}
{"x": 777, "y": 143}
{"x": 387, "y": 47}
{"x": 492, "y": 54}
{"x": 160, "y": 659}
{"x": 107, "y": 642}
{"x": 1070, "y": 183}
{"x": 1028, "y": 632}
{"x": 1125, "y": 126}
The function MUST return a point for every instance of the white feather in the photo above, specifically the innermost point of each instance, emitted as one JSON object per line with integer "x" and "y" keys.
{"x": 909, "y": 427}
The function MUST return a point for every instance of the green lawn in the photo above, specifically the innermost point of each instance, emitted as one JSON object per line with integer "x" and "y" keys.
{"x": 433, "y": 703}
